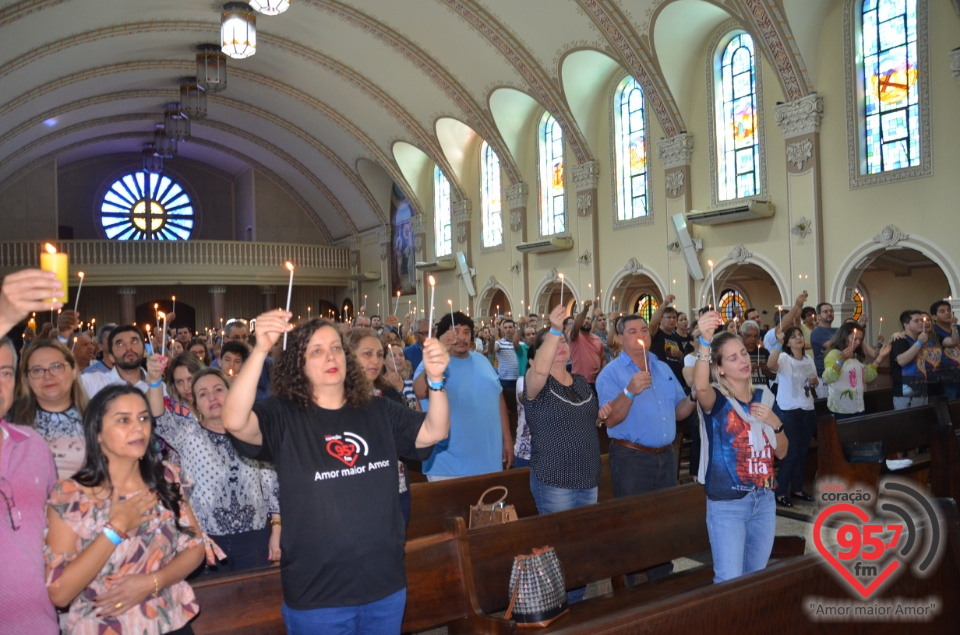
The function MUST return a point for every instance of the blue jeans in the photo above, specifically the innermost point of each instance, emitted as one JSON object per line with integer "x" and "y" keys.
{"x": 741, "y": 533}
{"x": 798, "y": 425}
{"x": 551, "y": 499}
{"x": 382, "y": 617}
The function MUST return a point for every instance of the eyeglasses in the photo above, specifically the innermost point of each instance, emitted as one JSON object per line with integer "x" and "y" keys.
{"x": 56, "y": 370}
{"x": 6, "y": 491}
{"x": 421, "y": 333}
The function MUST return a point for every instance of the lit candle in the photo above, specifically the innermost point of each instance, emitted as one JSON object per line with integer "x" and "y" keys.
{"x": 308, "y": 313}
{"x": 646, "y": 363}
{"x": 51, "y": 260}
{"x": 364, "y": 307}
{"x": 163, "y": 334}
{"x": 433, "y": 288}
{"x": 76, "y": 301}
{"x": 453, "y": 321}
{"x": 880, "y": 330}
{"x": 344, "y": 312}
{"x": 289, "y": 266}
{"x": 713, "y": 286}
{"x": 174, "y": 309}
{"x": 560, "y": 275}
{"x": 396, "y": 303}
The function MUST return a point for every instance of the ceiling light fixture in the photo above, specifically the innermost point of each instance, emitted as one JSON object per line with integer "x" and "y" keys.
{"x": 193, "y": 99}
{"x": 270, "y": 7}
{"x": 238, "y": 30}
{"x": 152, "y": 162}
{"x": 165, "y": 147}
{"x": 211, "y": 68}
{"x": 176, "y": 124}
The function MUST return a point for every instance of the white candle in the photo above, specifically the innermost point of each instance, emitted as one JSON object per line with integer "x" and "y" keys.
{"x": 880, "y": 330}
{"x": 433, "y": 288}
{"x": 76, "y": 301}
{"x": 163, "y": 334}
{"x": 453, "y": 321}
{"x": 289, "y": 266}
{"x": 174, "y": 309}
{"x": 713, "y": 286}
{"x": 646, "y": 362}
{"x": 560, "y": 275}
{"x": 396, "y": 303}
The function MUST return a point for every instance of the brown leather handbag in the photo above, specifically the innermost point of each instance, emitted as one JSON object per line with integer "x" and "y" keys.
{"x": 495, "y": 513}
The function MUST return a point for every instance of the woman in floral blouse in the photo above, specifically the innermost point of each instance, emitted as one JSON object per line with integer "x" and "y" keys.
{"x": 122, "y": 536}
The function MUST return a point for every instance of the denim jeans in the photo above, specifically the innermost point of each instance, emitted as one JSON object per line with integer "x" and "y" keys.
{"x": 551, "y": 499}
{"x": 798, "y": 426}
{"x": 741, "y": 533}
{"x": 638, "y": 472}
{"x": 902, "y": 403}
{"x": 382, "y": 617}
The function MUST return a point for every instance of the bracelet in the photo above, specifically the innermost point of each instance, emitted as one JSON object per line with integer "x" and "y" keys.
{"x": 275, "y": 521}
{"x": 156, "y": 385}
{"x": 438, "y": 386}
{"x": 704, "y": 358}
{"x": 112, "y": 535}
{"x": 554, "y": 331}
{"x": 918, "y": 343}
{"x": 629, "y": 394}
{"x": 156, "y": 586}
{"x": 704, "y": 342}
{"x": 778, "y": 347}
{"x": 778, "y": 430}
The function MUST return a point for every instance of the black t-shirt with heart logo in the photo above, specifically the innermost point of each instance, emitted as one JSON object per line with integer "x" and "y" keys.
{"x": 343, "y": 532}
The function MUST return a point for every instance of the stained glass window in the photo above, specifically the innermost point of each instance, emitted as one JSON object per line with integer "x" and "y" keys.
{"x": 441, "y": 213}
{"x": 731, "y": 304}
{"x": 630, "y": 138}
{"x": 552, "y": 214}
{"x": 146, "y": 206}
{"x": 858, "y": 304}
{"x": 490, "y": 194}
{"x": 738, "y": 142}
{"x": 890, "y": 77}
{"x": 646, "y": 306}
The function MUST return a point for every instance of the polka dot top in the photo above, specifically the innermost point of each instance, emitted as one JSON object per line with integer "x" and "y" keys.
{"x": 565, "y": 448}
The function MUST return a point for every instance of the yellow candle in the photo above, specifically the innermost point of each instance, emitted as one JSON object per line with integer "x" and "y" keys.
{"x": 52, "y": 260}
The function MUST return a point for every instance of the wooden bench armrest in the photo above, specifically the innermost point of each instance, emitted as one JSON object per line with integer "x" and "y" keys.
{"x": 481, "y": 625}
{"x": 788, "y": 547}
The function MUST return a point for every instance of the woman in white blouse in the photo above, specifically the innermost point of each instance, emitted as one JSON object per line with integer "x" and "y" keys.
{"x": 234, "y": 498}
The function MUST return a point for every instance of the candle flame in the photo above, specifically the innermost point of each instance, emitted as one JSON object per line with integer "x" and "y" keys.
{"x": 398, "y": 294}
{"x": 288, "y": 265}
{"x": 560, "y": 275}
{"x": 433, "y": 281}
{"x": 162, "y": 315}
{"x": 80, "y": 274}
{"x": 50, "y": 248}
{"x": 450, "y": 302}
{"x": 710, "y": 262}
{"x": 147, "y": 326}
{"x": 174, "y": 298}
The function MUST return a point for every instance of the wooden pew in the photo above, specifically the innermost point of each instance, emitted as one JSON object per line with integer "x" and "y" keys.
{"x": 945, "y": 453}
{"x": 899, "y": 430}
{"x": 431, "y": 504}
{"x": 602, "y": 541}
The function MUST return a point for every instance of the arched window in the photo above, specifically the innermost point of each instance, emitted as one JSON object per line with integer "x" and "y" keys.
{"x": 146, "y": 206}
{"x": 630, "y": 140}
{"x": 490, "y": 196}
{"x": 737, "y": 120}
{"x": 441, "y": 213}
{"x": 646, "y": 306}
{"x": 732, "y": 303}
{"x": 552, "y": 214}
{"x": 887, "y": 48}
{"x": 858, "y": 305}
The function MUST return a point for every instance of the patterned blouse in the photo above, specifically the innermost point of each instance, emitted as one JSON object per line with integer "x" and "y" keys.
{"x": 231, "y": 494}
{"x": 63, "y": 432}
{"x": 149, "y": 548}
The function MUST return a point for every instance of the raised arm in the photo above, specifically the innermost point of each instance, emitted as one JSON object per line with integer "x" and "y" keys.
{"x": 579, "y": 320}
{"x": 536, "y": 377}
{"x": 436, "y": 426}
{"x": 657, "y": 317}
{"x": 238, "y": 416}
{"x": 791, "y": 316}
{"x": 24, "y": 292}
{"x": 708, "y": 324}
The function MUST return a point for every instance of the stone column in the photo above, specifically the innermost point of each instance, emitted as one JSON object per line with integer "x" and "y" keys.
{"x": 419, "y": 247}
{"x": 217, "y": 298}
{"x": 800, "y": 123}
{"x": 515, "y": 197}
{"x": 676, "y": 154}
{"x": 269, "y": 295}
{"x": 586, "y": 178}
{"x": 128, "y": 304}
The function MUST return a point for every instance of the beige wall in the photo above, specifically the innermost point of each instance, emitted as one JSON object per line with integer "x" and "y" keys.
{"x": 280, "y": 219}
{"x": 28, "y": 206}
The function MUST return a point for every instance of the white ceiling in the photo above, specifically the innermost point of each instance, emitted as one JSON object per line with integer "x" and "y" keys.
{"x": 345, "y": 96}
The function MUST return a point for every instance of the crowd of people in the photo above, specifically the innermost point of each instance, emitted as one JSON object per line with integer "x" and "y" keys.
{"x": 125, "y": 473}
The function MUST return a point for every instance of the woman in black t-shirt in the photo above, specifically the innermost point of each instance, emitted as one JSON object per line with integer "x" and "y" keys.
{"x": 335, "y": 449}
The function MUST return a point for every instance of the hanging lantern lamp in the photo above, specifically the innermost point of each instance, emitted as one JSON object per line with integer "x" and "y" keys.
{"x": 270, "y": 7}
{"x": 238, "y": 30}
{"x": 211, "y": 68}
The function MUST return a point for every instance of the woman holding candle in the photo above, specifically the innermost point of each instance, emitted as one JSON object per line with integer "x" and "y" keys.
{"x": 797, "y": 382}
{"x": 122, "y": 536}
{"x": 741, "y": 433}
{"x": 844, "y": 370}
{"x": 335, "y": 448}
{"x": 53, "y": 401}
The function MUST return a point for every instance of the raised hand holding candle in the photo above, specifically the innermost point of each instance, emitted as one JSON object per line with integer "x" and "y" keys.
{"x": 289, "y": 266}
{"x": 52, "y": 260}
{"x": 433, "y": 288}
{"x": 76, "y": 300}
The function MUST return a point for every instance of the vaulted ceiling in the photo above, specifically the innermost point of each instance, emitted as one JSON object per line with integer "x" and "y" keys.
{"x": 345, "y": 96}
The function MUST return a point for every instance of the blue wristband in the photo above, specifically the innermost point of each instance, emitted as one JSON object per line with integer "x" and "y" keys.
{"x": 704, "y": 342}
{"x": 436, "y": 385}
{"x": 112, "y": 536}
{"x": 778, "y": 347}
{"x": 554, "y": 331}
{"x": 156, "y": 385}
{"x": 629, "y": 394}
{"x": 918, "y": 343}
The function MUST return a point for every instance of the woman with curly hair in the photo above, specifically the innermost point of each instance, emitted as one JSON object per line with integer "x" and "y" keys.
{"x": 335, "y": 449}
{"x": 121, "y": 536}
{"x": 52, "y": 401}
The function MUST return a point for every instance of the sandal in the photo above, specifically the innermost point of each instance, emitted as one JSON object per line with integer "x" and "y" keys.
{"x": 803, "y": 496}
{"x": 783, "y": 501}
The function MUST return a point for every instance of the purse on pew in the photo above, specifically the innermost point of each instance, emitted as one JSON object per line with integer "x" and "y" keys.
{"x": 865, "y": 452}
{"x": 495, "y": 513}
{"x": 538, "y": 593}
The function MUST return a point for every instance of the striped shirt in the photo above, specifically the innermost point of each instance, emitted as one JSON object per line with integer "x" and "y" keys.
{"x": 507, "y": 367}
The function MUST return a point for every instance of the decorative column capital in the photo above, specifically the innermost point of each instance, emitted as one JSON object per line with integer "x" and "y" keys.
{"x": 800, "y": 117}
{"x": 127, "y": 291}
{"x": 460, "y": 210}
{"x": 586, "y": 176}
{"x": 675, "y": 152}
{"x": 215, "y": 290}
{"x": 516, "y": 195}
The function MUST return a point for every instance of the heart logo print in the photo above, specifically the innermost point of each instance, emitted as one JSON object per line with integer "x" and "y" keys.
{"x": 845, "y": 573}
{"x": 346, "y": 452}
